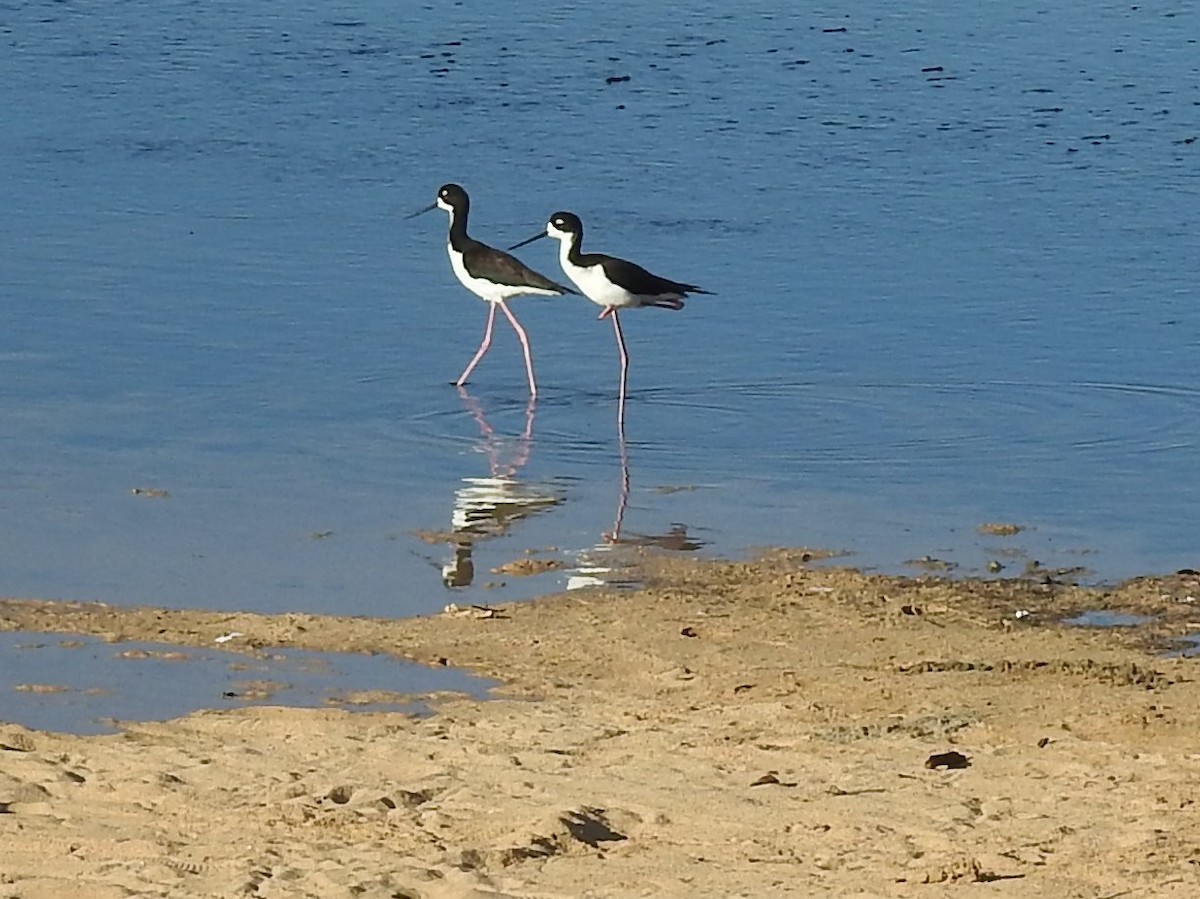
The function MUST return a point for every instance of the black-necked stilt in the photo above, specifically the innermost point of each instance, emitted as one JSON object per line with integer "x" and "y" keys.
{"x": 610, "y": 282}
{"x": 490, "y": 274}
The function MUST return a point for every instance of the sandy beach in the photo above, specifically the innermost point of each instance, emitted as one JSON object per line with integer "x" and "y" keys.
{"x": 759, "y": 728}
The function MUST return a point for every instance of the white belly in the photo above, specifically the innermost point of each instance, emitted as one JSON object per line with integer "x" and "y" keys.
{"x": 489, "y": 290}
{"x": 592, "y": 284}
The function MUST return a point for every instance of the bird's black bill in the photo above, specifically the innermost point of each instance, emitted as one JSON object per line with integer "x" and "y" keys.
{"x": 537, "y": 236}
{"x": 426, "y": 209}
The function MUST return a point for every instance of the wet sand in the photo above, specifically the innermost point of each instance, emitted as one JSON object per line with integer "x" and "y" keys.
{"x": 733, "y": 729}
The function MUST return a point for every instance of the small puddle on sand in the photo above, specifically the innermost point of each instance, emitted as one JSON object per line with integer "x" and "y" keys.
{"x": 1101, "y": 618}
{"x": 83, "y": 685}
{"x": 1191, "y": 649}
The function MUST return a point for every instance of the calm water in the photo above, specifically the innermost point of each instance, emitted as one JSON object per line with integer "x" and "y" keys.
{"x": 954, "y": 256}
{"x": 98, "y": 684}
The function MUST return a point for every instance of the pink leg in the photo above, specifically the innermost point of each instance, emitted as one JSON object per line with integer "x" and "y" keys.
{"x": 624, "y": 372}
{"x": 524, "y": 345}
{"x": 483, "y": 347}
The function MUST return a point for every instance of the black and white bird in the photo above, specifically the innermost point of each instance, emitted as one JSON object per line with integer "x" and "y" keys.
{"x": 490, "y": 274}
{"x": 612, "y": 283}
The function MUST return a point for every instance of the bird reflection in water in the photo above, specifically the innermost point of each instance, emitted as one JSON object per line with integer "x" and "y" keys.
{"x": 488, "y": 507}
{"x": 600, "y": 566}
{"x": 676, "y": 538}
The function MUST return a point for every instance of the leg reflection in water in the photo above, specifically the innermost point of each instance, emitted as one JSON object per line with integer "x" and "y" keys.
{"x": 606, "y": 565}
{"x": 488, "y": 507}
{"x": 614, "y": 536}
{"x": 675, "y": 539}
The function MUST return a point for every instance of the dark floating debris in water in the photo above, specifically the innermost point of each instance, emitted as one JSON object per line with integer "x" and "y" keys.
{"x": 933, "y": 69}
{"x": 676, "y": 539}
{"x": 929, "y": 563}
{"x": 616, "y": 79}
{"x": 841, "y": 29}
{"x": 1069, "y": 575}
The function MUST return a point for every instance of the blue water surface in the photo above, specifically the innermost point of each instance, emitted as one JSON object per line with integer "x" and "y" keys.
{"x": 953, "y": 251}
{"x": 85, "y": 685}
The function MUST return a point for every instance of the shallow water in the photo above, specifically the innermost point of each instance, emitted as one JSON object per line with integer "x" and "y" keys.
{"x": 954, "y": 260}
{"x": 85, "y": 685}
{"x": 1105, "y": 618}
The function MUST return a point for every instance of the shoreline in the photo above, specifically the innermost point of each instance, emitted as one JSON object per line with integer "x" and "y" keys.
{"x": 731, "y": 728}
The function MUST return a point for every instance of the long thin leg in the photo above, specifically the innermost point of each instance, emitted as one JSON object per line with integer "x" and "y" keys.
{"x": 483, "y": 347}
{"x": 524, "y": 345}
{"x": 624, "y": 373}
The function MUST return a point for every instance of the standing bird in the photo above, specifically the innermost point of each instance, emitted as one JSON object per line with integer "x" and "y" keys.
{"x": 610, "y": 282}
{"x": 490, "y": 274}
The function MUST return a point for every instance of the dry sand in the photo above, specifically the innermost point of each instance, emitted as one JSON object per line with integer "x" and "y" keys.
{"x": 733, "y": 729}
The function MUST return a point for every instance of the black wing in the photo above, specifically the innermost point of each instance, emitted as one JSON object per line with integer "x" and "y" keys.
{"x": 637, "y": 280}
{"x": 501, "y": 268}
